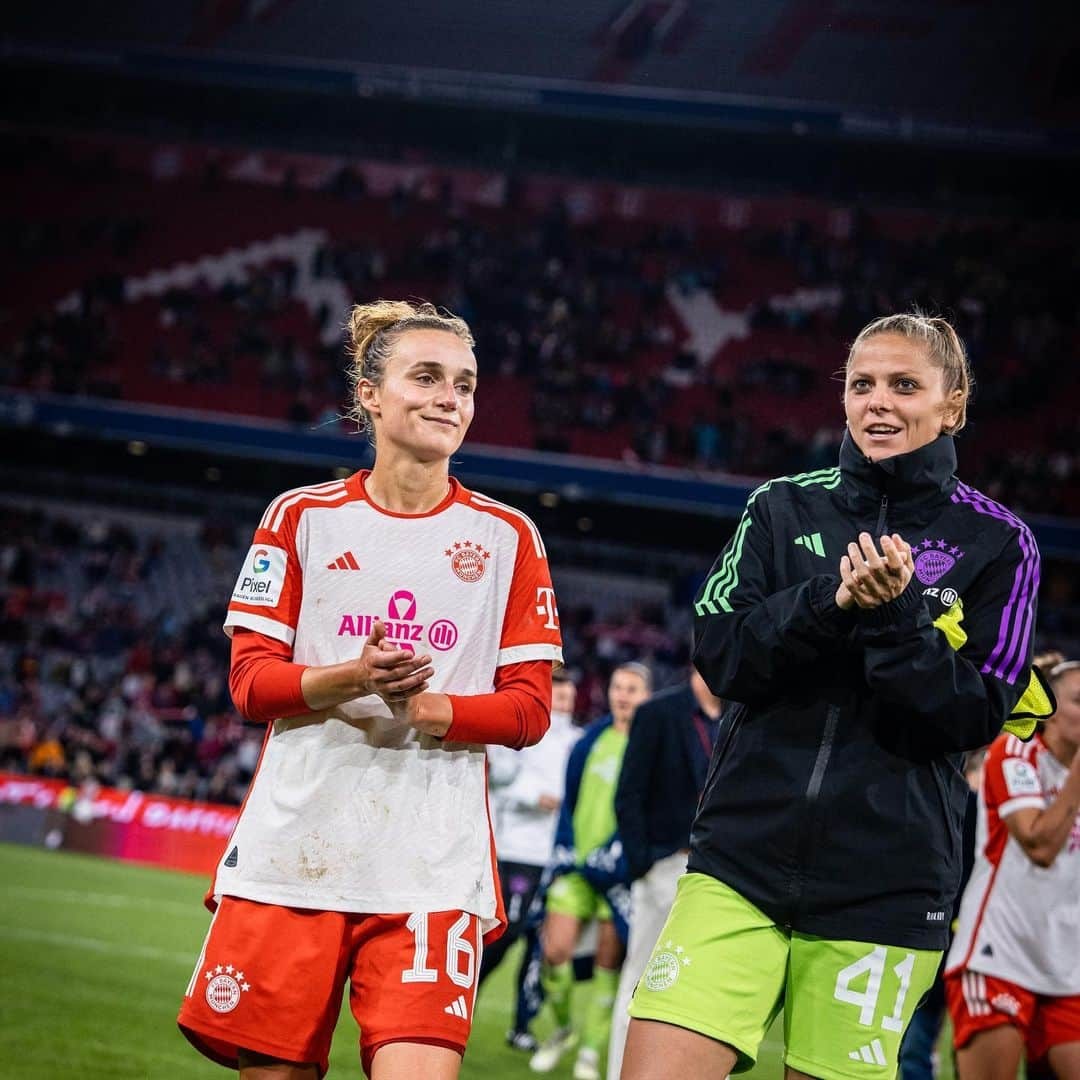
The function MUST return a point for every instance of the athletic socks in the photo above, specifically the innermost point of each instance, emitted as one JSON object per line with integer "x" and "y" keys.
{"x": 597, "y": 1029}
{"x": 558, "y": 981}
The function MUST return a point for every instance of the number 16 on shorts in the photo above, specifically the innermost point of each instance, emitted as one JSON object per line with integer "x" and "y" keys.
{"x": 433, "y": 960}
{"x": 460, "y": 955}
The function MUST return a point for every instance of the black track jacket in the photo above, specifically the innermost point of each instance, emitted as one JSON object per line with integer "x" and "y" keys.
{"x": 834, "y": 800}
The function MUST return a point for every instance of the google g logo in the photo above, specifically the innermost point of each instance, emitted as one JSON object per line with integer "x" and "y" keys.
{"x": 260, "y": 563}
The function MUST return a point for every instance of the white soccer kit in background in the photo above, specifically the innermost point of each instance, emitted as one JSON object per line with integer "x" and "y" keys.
{"x": 523, "y": 832}
{"x": 1019, "y": 921}
{"x": 349, "y": 809}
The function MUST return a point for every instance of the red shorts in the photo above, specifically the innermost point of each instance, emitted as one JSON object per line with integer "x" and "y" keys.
{"x": 270, "y": 979}
{"x": 979, "y": 1002}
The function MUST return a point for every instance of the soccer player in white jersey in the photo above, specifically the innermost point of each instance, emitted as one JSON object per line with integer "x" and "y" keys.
{"x": 1012, "y": 979}
{"x": 386, "y": 627}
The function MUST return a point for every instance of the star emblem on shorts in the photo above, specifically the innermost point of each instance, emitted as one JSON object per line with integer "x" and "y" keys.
{"x": 678, "y": 950}
{"x": 229, "y": 971}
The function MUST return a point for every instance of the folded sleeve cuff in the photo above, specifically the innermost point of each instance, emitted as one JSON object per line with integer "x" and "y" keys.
{"x": 823, "y": 600}
{"x": 892, "y": 613}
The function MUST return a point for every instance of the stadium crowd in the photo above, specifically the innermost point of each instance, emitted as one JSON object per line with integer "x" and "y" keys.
{"x": 579, "y": 325}
{"x": 111, "y": 672}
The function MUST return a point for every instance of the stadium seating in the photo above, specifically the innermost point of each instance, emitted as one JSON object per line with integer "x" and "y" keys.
{"x": 635, "y": 338}
{"x": 114, "y": 667}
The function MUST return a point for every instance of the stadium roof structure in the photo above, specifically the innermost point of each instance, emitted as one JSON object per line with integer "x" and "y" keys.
{"x": 702, "y": 495}
{"x": 960, "y": 72}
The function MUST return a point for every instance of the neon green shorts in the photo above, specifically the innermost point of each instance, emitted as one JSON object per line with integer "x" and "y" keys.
{"x": 723, "y": 968}
{"x": 571, "y": 894}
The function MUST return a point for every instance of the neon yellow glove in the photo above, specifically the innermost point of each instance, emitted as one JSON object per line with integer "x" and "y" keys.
{"x": 1036, "y": 702}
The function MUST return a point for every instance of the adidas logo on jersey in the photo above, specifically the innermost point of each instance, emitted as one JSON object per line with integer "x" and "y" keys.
{"x": 811, "y": 543}
{"x": 872, "y": 1054}
{"x": 458, "y": 1008}
{"x": 344, "y": 562}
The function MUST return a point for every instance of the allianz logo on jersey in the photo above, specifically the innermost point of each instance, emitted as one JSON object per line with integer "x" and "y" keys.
{"x": 947, "y": 596}
{"x": 403, "y": 628}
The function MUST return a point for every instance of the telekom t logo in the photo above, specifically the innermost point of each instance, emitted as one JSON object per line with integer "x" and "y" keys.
{"x": 545, "y": 605}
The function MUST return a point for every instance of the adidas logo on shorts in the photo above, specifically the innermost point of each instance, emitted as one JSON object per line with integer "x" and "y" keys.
{"x": 872, "y": 1054}
{"x": 458, "y": 1008}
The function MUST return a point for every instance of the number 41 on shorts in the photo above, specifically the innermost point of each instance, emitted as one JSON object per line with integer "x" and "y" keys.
{"x": 850, "y": 1002}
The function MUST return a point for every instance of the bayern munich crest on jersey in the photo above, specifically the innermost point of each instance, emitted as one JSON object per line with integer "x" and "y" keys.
{"x": 934, "y": 559}
{"x": 468, "y": 560}
{"x": 225, "y": 985}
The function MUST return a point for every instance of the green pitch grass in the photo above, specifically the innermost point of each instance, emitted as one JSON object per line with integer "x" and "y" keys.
{"x": 97, "y": 954}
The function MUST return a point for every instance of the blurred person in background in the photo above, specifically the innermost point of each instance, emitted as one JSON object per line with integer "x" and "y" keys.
{"x": 918, "y": 1051}
{"x": 1013, "y": 972}
{"x": 527, "y": 792}
{"x": 363, "y": 850}
{"x": 586, "y": 824}
{"x": 874, "y": 622}
{"x": 663, "y": 773}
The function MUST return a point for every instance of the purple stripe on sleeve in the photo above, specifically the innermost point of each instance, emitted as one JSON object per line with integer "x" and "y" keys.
{"x": 1020, "y": 605}
{"x": 1007, "y": 658}
{"x": 1014, "y": 632}
{"x": 1029, "y": 618}
{"x": 964, "y": 494}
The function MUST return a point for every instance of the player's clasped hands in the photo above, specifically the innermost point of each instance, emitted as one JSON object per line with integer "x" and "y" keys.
{"x": 870, "y": 578}
{"x": 391, "y": 672}
{"x": 401, "y": 680}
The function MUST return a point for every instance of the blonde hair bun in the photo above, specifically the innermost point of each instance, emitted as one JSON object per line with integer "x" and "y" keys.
{"x": 372, "y": 330}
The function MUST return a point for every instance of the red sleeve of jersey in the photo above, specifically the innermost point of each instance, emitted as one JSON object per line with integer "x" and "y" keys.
{"x": 530, "y": 629}
{"x": 993, "y": 781}
{"x": 517, "y": 714}
{"x": 263, "y": 680}
{"x": 1010, "y": 777}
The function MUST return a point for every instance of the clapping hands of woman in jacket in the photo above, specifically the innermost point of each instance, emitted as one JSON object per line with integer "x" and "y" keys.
{"x": 869, "y": 577}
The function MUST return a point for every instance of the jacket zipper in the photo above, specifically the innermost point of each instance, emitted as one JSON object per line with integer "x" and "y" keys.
{"x": 813, "y": 790}
{"x": 832, "y": 719}
{"x": 882, "y": 513}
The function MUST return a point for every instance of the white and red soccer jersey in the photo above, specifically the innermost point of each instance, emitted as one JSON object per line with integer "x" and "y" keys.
{"x": 350, "y": 810}
{"x": 1019, "y": 921}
